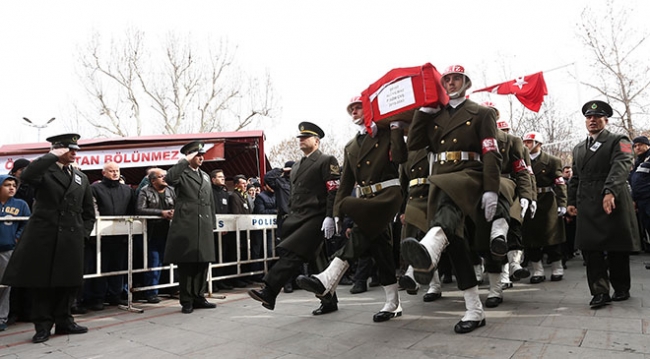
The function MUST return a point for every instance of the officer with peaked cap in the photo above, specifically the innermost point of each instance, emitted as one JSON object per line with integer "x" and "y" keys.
{"x": 190, "y": 243}
{"x": 314, "y": 184}
{"x": 48, "y": 259}
{"x": 370, "y": 170}
{"x": 606, "y": 229}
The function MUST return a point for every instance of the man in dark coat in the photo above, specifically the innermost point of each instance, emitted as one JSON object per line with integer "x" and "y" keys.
{"x": 544, "y": 233}
{"x": 606, "y": 230}
{"x": 370, "y": 168}
{"x": 221, "y": 195}
{"x": 640, "y": 182}
{"x": 464, "y": 187}
{"x": 112, "y": 198}
{"x": 190, "y": 243}
{"x": 314, "y": 184}
{"x": 238, "y": 203}
{"x": 48, "y": 259}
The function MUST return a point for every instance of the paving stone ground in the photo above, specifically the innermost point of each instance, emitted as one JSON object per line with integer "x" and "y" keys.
{"x": 547, "y": 320}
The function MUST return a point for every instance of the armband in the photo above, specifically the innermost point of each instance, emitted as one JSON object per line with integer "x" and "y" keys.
{"x": 332, "y": 185}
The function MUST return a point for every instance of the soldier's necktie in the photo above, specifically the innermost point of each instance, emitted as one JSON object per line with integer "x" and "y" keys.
{"x": 67, "y": 170}
{"x": 590, "y": 142}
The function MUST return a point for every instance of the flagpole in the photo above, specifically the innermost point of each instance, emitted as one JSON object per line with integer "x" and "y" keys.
{"x": 560, "y": 67}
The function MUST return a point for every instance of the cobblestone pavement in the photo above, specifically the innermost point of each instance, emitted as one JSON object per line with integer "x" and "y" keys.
{"x": 547, "y": 320}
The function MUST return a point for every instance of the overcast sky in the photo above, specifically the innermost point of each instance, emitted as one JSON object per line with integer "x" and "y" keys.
{"x": 319, "y": 54}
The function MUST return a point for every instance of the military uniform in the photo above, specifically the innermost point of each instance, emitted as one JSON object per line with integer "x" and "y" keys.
{"x": 461, "y": 181}
{"x": 314, "y": 184}
{"x": 545, "y": 232}
{"x": 190, "y": 242}
{"x": 602, "y": 167}
{"x": 48, "y": 258}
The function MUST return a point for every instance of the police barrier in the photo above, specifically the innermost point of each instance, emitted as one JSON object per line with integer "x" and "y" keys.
{"x": 243, "y": 226}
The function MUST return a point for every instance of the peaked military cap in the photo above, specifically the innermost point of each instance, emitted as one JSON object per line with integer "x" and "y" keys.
{"x": 194, "y": 146}
{"x": 309, "y": 129}
{"x": 597, "y": 108}
{"x": 67, "y": 140}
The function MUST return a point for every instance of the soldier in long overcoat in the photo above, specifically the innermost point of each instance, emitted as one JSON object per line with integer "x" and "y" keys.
{"x": 190, "y": 242}
{"x": 463, "y": 192}
{"x": 314, "y": 184}
{"x": 606, "y": 230}
{"x": 544, "y": 233}
{"x": 413, "y": 178}
{"x": 48, "y": 258}
{"x": 370, "y": 168}
{"x": 515, "y": 182}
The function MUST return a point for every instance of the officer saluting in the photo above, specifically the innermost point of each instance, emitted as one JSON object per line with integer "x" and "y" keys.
{"x": 606, "y": 229}
{"x": 48, "y": 259}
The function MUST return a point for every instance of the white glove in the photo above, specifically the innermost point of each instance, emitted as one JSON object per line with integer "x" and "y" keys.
{"x": 533, "y": 209}
{"x": 524, "y": 206}
{"x": 339, "y": 225}
{"x": 489, "y": 204}
{"x": 561, "y": 211}
{"x": 328, "y": 227}
{"x": 398, "y": 124}
{"x": 58, "y": 152}
{"x": 373, "y": 127}
{"x": 430, "y": 110}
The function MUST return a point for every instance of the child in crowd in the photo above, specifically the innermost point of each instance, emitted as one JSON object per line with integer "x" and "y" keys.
{"x": 9, "y": 233}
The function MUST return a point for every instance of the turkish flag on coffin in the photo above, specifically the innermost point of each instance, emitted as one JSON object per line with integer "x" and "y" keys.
{"x": 397, "y": 94}
{"x": 529, "y": 90}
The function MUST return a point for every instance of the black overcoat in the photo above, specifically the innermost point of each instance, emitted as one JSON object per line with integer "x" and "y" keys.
{"x": 603, "y": 166}
{"x": 50, "y": 250}
{"x": 190, "y": 238}
{"x": 314, "y": 184}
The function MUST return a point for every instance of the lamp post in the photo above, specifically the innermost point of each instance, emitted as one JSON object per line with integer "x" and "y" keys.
{"x": 39, "y": 127}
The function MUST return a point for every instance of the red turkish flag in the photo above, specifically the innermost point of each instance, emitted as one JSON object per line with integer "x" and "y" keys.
{"x": 529, "y": 90}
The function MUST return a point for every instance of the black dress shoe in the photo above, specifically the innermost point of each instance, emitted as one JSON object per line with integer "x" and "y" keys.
{"x": 556, "y": 277}
{"x": 384, "y": 316}
{"x": 600, "y": 300}
{"x": 325, "y": 308}
{"x": 505, "y": 286}
{"x": 521, "y": 273}
{"x": 467, "y": 326}
{"x": 374, "y": 282}
{"x": 430, "y": 297}
{"x": 621, "y": 296}
{"x": 498, "y": 246}
{"x": 41, "y": 336}
{"x": 223, "y": 285}
{"x": 187, "y": 308}
{"x": 359, "y": 287}
{"x": 73, "y": 328}
{"x": 203, "y": 304}
{"x": 153, "y": 299}
{"x": 265, "y": 296}
{"x": 78, "y": 310}
{"x": 537, "y": 279}
{"x": 310, "y": 284}
{"x": 409, "y": 284}
{"x": 493, "y": 302}
{"x": 288, "y": 288}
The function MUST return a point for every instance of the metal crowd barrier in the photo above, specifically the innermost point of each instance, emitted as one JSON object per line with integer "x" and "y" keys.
{"x": 241, "y": 225}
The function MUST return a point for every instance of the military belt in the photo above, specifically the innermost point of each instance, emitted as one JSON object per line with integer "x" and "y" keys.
{"x": 544, "y": 189}
{"x": 456, "y": 156}
{"x": 417, "y": 182}
{"x": 366, "y": 191}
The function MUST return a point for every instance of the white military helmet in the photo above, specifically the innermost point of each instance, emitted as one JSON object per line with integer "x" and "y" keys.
{"x": 533, "y": 136}
{"x": 457, "y": 69}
